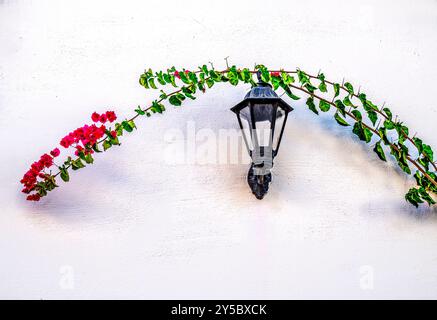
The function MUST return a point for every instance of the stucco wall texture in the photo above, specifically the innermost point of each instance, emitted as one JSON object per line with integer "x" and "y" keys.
{"x": 148, "y": 220}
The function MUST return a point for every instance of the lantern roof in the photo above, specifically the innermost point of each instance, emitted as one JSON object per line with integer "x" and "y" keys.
{"x": 262, "y": 93}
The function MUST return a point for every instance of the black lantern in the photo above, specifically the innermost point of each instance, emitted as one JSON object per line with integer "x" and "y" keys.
{"x": 262, "y": 116}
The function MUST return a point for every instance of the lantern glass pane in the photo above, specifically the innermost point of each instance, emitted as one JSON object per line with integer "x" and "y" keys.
{"x": 244, "y": 116}
{"x": 263, "y": 115}
{"x": 280, "y": 122}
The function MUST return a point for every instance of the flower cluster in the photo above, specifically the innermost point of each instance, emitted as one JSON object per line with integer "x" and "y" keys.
{"x": 275, "y": 74}
{"x": 82, "y": 139}
{"x": 88, "y": 135}
{"x": 30, "y": 178}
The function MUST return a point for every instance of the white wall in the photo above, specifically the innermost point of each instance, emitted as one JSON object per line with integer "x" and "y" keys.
{"x": 136, "y": 226}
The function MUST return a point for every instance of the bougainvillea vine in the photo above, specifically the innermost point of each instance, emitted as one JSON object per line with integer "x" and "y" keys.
{"x": 372, "y": 124}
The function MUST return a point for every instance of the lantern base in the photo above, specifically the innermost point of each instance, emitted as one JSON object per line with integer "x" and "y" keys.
{"x": 258, "y": 183}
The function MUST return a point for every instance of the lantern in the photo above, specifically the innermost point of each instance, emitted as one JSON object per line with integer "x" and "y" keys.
{"x": 262, "y": 116}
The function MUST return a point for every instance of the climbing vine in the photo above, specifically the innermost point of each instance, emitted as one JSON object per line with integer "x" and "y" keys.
{"x": 375, "y": 125}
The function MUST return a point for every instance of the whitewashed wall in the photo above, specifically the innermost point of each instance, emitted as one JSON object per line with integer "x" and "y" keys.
{"x": 334, "y": 224}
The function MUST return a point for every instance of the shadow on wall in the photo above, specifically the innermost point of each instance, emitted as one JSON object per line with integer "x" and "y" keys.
{"x": 306, "y": 139}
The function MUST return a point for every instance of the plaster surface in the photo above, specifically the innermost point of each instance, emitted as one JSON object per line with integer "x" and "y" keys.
{"x": 138, "y": 225}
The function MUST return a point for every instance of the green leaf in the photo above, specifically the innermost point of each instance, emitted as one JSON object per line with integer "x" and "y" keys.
{"x": 322, "y": 87}
{"x": 428, "y": 152}
{"x": 77, "y": 164}
{"x": 340, "y": 120}
{"x": 163, "y": 95}
{"x": 363, "y": 98}
{"x": 160, "y": 77}
{"x": 157, "y": 107}
{"x": 336, "y": 89}
{"x": 419, "y": 178}
{"x": 127, "y": 126}
{"x": 370, "y": 105}
{"x": 310, "y": 87}
{"x": 132, "y": 124}
{"x": 311, "y": 105}
{"x": 89, "y": 158}
{"x": 379, "y": 151}
{"x": 286, "y": 78}
{"x": 303, "y": 78}
{"x": 180, "y": 96}
{"x": 188, "y": 93}
{"x": 288, "y": 91}
{"x": 389, "y": 124}
{"x": 388, "y": 113}
{"x": 349, "y": 88}
{"x": 401, "y": 156}
{"x": 348, "y": 102}
{"x": 167, "y": 78}
{"x": 324, "y": 106}
{"x": 233, "y": 75}
{"x": 209, "y": 83}
{"x": 114, "y": 141}
{"x": 174, "y": 100}
{"x": 152, "y": 83}
{"x": 140, "y": 111}
{"x": 64, "y": 174}
{"x": 96, "y": 148}
{"x": 373, "y": 116}
{"x": 362, "y": 132}
{"x": 357, "y": 115}
{"x": 402, "y": 132}
{"x": 419, "y": 144}
{"x": 382, "y": 131}
{"x": 68, "y": 161}
{"x": 215, "y": 76}
{"x": 265, "y": 74}
{"x": 81, "y": 155}
{"x": 205, "y": 69}
{"x": 118, "y": 129}
{"x": 340, "y": 106}
{"x": 425, "y": 196}
{"x": 183, "y": 77}
{"x": 193, "y": 77}
{"x": 413, "y": 197}
{"x": 173, "y": 81}
{"x": 107, "y": 145}
{"x": 276, "y": 82}
{"x": 143, "y": 81}
{"x": 424, "y": 162}
{"x": 233, "y": 81}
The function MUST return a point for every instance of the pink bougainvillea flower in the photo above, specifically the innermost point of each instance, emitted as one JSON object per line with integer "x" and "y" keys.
{"x": 103, "y": 118}
{"x": 55, "y": 152}
{"x": 275, "y": 74}
{"x": 46, "y": 160}
{"x": 95, "y": 117}
{"x": 34, "y": 197}
{"x": 176, "y": 74}
{"x": 111, "y": 116}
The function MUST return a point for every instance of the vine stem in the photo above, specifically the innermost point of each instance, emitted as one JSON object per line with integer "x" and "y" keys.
{"x": 371, "y": 129}
{"x": 379, "y": 112}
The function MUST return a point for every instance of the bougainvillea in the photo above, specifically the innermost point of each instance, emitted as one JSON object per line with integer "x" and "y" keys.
{"x": 84, "y": 140}
{"x": 372, "y": 124}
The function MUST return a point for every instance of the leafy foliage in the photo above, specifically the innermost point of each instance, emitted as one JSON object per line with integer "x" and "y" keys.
{"x": 350, "y": 108}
